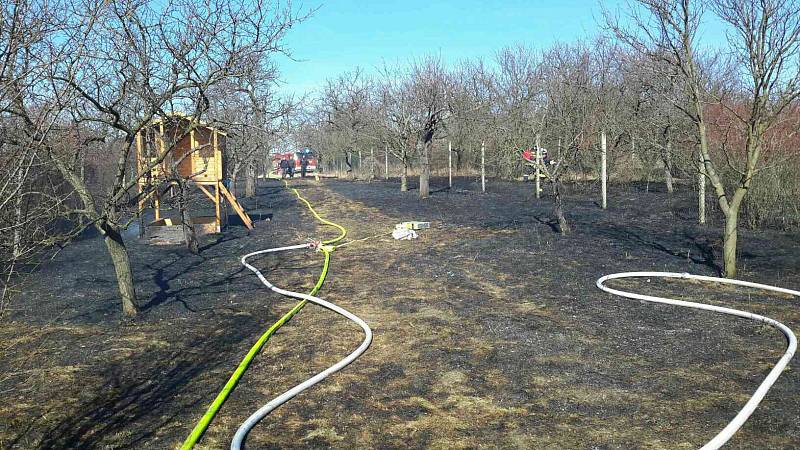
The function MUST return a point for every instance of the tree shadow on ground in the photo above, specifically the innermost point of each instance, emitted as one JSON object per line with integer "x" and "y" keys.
{"x": 219, "y": 239}
{"x": 552, "y": 223}
{"x": 144, "y": 394}
{"x": 680, "y": 248}
{"x": 164, "y": 276}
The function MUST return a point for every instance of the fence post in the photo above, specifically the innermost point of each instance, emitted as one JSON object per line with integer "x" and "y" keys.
{"x": 483, "y": 167}
{"x": 450, "y": 163}
{"x": 603, "y": 169}
{"x": 538, "y": 169}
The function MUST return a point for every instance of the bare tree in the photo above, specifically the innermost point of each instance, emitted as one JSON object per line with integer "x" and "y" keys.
{"x": 764, "y": 39}
{"x": 345, "y": 108}
{"x": 248, "y": 108}
{"x": 429, "y": 88}
{"x": 396, "y": 123}
{"x": 572, "y": 91}
{"x": 31, "y": 196}
{"x": 114, "y": 66}
{"x": 518, "y": 102}
{"x": 470, "y": 108}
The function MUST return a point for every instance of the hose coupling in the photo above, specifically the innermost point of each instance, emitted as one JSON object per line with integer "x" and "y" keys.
{"x": 319, "y": 246}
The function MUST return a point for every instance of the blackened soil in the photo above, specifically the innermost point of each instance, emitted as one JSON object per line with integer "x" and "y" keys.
{"x": 489, "y": 331}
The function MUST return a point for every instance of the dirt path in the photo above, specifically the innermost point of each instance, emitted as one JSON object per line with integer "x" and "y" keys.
{"x": 489, "y": 332}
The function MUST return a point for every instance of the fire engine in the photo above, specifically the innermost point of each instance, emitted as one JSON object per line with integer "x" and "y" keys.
{"x": 296, "y": 161}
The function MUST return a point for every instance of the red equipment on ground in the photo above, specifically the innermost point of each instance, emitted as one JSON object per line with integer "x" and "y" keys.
{"x": 529, "y": 155}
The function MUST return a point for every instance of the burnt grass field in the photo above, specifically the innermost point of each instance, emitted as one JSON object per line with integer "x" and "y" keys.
{"x": 489, "y": 330}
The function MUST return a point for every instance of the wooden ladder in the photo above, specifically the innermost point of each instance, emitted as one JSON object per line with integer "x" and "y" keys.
{"x": 236, "y": 206}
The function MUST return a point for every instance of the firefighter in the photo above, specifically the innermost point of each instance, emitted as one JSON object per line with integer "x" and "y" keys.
{"x": 303, "y": 166}
{"x": 290, "y": 164}
{"x": 284, "y": 165}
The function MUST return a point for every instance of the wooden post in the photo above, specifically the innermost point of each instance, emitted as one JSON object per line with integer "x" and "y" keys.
{"x": 161, "y": 172}
{"x": 701, "y": 192}
{"x": 603, "y": 169}
{"x": 450, "y": 163}
{"x": 193, "y": 155}
{"x": 217, "y": 155}
{"x": 161, "y": 144}
{"x": 139, "y": 167}
{"x": 156, "y": 196}
{"x": 217, "y": 213}
{"x": 386, "y": 162}
{"x": 538, "y": 168}
{"x": 371, "y": 163}
{"x": 483, "y": 167}
{"x": 157, "y": 203}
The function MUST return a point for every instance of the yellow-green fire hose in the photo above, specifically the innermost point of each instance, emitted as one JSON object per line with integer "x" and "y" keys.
{"x": 326, "y": 248}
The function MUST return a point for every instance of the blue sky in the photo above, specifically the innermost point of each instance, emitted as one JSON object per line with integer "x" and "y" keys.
{"x": 344, "y": 34}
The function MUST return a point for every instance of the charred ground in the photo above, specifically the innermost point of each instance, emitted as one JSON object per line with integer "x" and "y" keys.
{"x": 489, "y": 331}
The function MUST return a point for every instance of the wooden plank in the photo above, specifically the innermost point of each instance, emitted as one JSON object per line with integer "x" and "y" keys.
{"x": 162, "y": 149}
{"x": 216, "y": 206}
{"x": 140, "y": 182}
{"x": 217, "y": 155}
{"x": 157, "y": 203}
{"x": 193, "y": 156}
{"x": 237, "y": 207}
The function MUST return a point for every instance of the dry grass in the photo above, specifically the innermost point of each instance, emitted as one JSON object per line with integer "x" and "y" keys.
{"x": 472, "y": 349}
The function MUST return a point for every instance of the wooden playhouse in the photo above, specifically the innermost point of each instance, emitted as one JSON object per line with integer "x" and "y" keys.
{"x": 195, "y": 151}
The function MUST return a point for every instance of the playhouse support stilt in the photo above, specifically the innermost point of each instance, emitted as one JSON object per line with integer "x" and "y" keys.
{"x": 157, "y": 203}
{"x": 217, "y": 215}
{"x": 237, "y": 207}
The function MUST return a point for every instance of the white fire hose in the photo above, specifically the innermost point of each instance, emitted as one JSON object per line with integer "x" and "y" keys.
{"x": 247, "y": 425}
{"x": 723, "y": 436}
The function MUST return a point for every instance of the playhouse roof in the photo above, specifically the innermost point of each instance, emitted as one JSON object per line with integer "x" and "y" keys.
{"x": 181, "y": 117}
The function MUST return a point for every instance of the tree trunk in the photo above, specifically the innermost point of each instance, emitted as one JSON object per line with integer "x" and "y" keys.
{"x": 111, "y": 236}
{"x": 425, "y": 170}
{"x": 17, "y": 238}
{"x": 404, "y": 178}
{"x": 563, "y": 226}
{"x": 348, "y": 159}
{"x": 250, "y": 180}
{"x": 668, "y": 173}
{"x": 668, "y": 161}
{"x": 122, "y": 268}
{"x": 371, "y": 164}
{"x": 189, "y": 235}
{"x": 730, "y": 240}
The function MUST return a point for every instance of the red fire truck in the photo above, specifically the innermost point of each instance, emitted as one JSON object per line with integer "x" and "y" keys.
{"x": 295, "y": 161}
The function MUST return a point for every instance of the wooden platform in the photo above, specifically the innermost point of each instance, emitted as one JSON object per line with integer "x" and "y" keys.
{"x": 170, "y": 232}
{"x": 181, "y": 146}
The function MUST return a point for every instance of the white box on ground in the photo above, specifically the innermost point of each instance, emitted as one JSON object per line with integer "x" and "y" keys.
{"x": 414, "y": 225}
